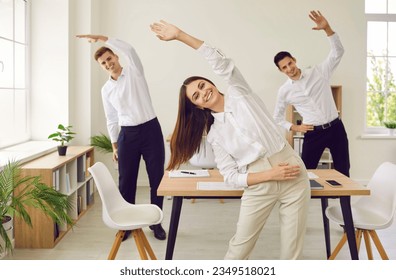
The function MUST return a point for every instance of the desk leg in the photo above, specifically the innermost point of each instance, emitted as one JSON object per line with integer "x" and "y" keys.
{"x": 349, "y": 226}
{"x": 173, "y": 226}
{"x": 326, "y": 226}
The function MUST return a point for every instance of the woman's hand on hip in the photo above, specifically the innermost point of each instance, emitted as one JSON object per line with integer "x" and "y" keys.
{"x": 284, "y": 171}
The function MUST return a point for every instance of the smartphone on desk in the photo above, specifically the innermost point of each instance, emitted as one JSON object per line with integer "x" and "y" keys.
{"x": 333, "y": 183}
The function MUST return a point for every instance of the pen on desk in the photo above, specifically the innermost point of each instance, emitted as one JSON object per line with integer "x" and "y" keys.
{"x": 188, "y": 172}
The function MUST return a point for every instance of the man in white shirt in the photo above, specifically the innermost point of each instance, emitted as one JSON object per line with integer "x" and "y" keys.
{"x": 131, "y": 121}
{"x": 309, "y": 91}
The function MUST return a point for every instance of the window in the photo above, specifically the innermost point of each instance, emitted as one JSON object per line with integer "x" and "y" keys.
{"x": 13, "y": 72}
{"x": 381, "y": 63}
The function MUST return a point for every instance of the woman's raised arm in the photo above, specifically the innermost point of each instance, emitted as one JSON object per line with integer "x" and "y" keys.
{"x": 168, "y": 32}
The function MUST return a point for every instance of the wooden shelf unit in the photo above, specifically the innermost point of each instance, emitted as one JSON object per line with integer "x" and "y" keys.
{"x": 67, "y": 174}
{"x": 292, "y": 116}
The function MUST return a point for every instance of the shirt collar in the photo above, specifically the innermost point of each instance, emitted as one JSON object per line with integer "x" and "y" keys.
{"x": 227, "y": 109}
{"x": 219, "y": 116}
{"x": 301, "y": 77}
{"x": 122, "y": 74}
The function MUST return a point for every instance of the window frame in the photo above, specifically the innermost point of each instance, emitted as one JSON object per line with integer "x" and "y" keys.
{"x": 376, "y": 17}
{"x": 19, "y": 137}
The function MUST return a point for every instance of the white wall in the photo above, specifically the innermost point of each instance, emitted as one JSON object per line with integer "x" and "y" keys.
{"x": 249, "y": 31}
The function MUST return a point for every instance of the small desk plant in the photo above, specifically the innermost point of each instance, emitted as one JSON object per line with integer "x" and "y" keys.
{"x": 63, "y": 135}
{"x": 391, "y": 125}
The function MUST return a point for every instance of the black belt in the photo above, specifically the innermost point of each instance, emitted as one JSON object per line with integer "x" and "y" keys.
{"x": 327, "y": 125}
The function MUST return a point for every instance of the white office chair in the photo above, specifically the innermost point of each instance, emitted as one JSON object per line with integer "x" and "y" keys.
{"x": 371, "y": 213}
{"x": 119, "y": 214}
{"x": 205, "y": 159}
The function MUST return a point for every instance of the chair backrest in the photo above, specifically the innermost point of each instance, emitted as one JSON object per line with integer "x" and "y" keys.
{"x": 382, "y": 185}
{"x": 205, "y": 158}
{"x": 108, "y": 190}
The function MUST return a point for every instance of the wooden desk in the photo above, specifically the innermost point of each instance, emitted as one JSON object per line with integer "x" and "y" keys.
{"x": 181, "y": 188}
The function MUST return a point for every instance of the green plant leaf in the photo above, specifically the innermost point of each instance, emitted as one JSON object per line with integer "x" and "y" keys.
{"x": 19, "y": 192}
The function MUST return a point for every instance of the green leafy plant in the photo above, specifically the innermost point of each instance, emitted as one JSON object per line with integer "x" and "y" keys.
{"x": 102, "y": 142}
{"x": 390, "y": 124}
{"x": 18, "y": 192}
{"x": 63, "y": 135}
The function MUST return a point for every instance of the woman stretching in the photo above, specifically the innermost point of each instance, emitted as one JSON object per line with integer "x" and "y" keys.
{"x": 249, "y": 150}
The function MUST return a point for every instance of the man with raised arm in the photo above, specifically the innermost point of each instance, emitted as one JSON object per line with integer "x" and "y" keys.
{"x": 132, "y": 124}
{"x": 309, "y": 91}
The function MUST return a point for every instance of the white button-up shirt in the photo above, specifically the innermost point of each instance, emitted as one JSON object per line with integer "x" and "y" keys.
{"x": 245, "y": 131}
{"x": 127, "y": 100}
{"x": 311, "y": 95}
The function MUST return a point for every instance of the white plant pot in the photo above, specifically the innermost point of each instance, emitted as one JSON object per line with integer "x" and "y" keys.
{"x": 8, "y": 225}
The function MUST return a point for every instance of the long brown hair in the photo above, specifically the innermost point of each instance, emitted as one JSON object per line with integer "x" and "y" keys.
{"x": 191, "y": 124}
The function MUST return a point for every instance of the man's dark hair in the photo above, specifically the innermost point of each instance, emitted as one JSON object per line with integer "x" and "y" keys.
{"x": 281, "y": 55}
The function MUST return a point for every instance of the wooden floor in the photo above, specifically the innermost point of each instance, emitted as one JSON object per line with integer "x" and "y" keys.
{"x": 204, "y": 231}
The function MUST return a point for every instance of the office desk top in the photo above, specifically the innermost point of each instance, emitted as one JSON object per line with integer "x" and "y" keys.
{"x": 187, "y": 186}
{"x": 184, "y": 187}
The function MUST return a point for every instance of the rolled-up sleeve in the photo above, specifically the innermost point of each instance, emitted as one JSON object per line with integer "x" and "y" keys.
{"x": 279, "y": 113}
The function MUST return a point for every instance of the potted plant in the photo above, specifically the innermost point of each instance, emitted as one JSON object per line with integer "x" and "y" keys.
{"x": 63, "y": 135}
{"x": 391, "y": 125}
{"x": 102, "y": 142}
{"x": 17, "y": 193}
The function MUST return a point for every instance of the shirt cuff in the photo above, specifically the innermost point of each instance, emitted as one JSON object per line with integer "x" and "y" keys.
{"x": 110, "y": 41}
{"x": 204, "y": 49}
{"x": 242, "y": 180}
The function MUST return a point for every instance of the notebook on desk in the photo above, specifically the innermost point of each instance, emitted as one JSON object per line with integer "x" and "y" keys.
{"x": 217, "y": 186}
{"x": 315, "y": 185}
{"x": 189, "y": 173}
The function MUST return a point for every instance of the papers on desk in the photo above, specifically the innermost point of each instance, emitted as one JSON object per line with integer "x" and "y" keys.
{"x": 188, "y": 173}
{"x": 217, "y": 186}
{"x": 312, "y": 175}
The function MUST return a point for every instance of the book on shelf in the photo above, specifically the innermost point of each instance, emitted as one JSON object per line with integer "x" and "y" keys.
{"x": 81, "y": 169}
{"x": 68, "y": 188}
{"x": 55, "y": 179}
{"x": 56, "y": 231}
{"x": 87, "y": 165}
{"x": 90, "y": 192}
{"x": 79, "y": 204}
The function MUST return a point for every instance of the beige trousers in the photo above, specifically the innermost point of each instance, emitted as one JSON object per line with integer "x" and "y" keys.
{"x": 258, "y": 201}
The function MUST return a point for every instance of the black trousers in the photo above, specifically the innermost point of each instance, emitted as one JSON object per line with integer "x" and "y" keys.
{"x": 334, "y": 138}
{"x": 134, "y": 142}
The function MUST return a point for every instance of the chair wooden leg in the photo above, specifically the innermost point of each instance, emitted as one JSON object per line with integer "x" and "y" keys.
{"x": 358, "y": 239}
{"x": 139, "y": 244}
{"x": 147, "y": 245}
{"x": 368, "y": 244}
{"x": 378, "y": 244}
{"x": 338, "y": 247}
{"x": 116, "y": 245}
